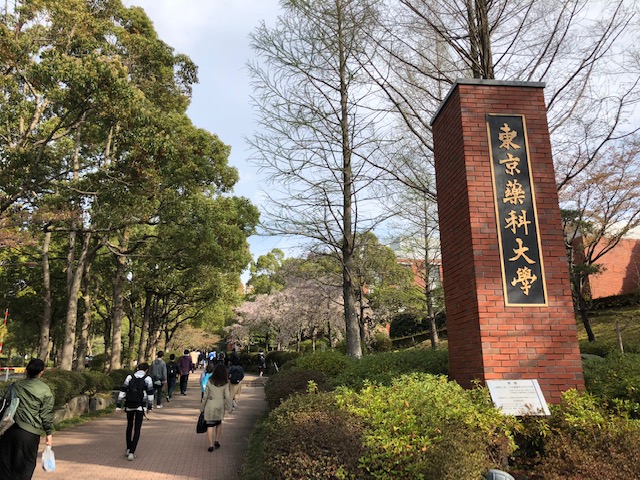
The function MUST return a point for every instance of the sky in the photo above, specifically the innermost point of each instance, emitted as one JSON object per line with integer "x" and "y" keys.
{"x": 215, "y": 35}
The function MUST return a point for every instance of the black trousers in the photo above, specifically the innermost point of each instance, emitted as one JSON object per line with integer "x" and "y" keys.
{"x": 183, "y": 383}
{"x": 18, "y": 454}
{"x": 134, "y": 424}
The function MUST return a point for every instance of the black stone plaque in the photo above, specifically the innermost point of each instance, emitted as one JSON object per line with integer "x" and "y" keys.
{"x": 516, "y": 217}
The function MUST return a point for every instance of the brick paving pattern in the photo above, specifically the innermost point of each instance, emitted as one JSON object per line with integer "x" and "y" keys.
{"x": 169, "y": 448}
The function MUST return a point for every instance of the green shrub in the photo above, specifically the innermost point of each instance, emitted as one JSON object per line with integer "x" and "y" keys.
{"x": 64, "y": 384}
{"x": 96, "y": 381}
{"x": 424, "y": 427}
{"x": 600, "y": 348}
{"x": 279, "y": 358}
{"x": 97, "y": 362}
{"x": 585, "y": 441}
{"x": 381, "y": 343}
{"x": 615, "y": 378}
{"x": 383, "y": 368}
{"x": 310, "y": 437}
{"x": 118, "y": 376}
{"x": 405, "y": 324}
{"x": 288, "y": 382}
{"x": 331, "y": 362}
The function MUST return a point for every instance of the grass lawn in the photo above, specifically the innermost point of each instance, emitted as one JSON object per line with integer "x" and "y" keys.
{"x": 603, "y": 323}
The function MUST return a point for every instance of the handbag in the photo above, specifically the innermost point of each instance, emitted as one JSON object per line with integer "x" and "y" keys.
{"x": 8, "y": 409}
{"x": 201, "y": 426}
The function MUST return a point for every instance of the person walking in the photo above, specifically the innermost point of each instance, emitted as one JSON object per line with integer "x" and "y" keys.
{"x": 158, "y": 372}
{"x": 172, "y": 376}
{"x": 236, "y": 374}
{"x": 204, "y": 378}
{"x": 185, "y": 365}
{"x": 19, "y": 444}
{"x": 217, "y": 401}
{"x": 262, "y": 362}
{"x": 137, "y": 394}
{"x": 195, "y": 354}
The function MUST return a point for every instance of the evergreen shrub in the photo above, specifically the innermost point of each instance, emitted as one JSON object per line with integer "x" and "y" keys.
{"x": 280, "y": 357}
{"x": 383, "y": 368}
{"x": 586, "y": 441}
{"x": 289, "y": 382}
{"x": 425, "y": 427}
{"x": 118, "y": 376}
{"x": 381, "y": 342}
{"x": 96, "y": 381}
{"x": 97, "y": 362}
{"x": 331, "y": 362}
{"x": 310, "y": 437}
{"x": 64, "y": 385}
{"x": 405, "y": 324}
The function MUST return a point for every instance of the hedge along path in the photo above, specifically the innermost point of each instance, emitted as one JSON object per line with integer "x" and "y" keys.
{"x": 169, "y": 448}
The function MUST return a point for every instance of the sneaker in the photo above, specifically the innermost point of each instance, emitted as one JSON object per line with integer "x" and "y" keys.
{"x": 159, "y": 406}
{"x": 131, "y": 456}
{"x": 168, "y": 399}
{"x": 235, "y": 404}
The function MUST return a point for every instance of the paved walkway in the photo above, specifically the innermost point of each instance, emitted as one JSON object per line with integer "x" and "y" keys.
{"x": 169, "y": 448}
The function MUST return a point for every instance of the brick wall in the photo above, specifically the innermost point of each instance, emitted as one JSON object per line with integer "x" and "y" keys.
{"x": 488, "y": 340}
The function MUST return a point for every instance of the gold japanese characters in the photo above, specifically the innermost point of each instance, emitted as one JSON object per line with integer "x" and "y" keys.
{"x": 517, "y": 225}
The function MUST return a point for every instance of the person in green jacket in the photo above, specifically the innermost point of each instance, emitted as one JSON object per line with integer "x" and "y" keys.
{"x": 19, "y": 444}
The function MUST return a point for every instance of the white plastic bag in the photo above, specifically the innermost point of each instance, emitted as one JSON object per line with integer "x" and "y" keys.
{"x": 48, "y": 459}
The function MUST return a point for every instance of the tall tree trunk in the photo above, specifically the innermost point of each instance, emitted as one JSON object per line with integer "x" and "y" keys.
{"x": 68, "y": 346}
{"x": 582, "y": 307}
{"x": 149, "y": 305}
{"x": 428, "y": 286}
{"x": 118, "y": 303}
{"x": 352, "y": 327}
{"x": 83, "y": 338}
{"x": 107, "y": 342}
{"x": 45, "y": 327}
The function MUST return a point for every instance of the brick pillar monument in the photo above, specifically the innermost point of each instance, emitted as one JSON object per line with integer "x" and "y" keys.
{"x": 506, "y": 282}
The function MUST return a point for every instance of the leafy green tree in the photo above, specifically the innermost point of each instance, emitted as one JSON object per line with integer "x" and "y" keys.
{"x": 264, "y": 277}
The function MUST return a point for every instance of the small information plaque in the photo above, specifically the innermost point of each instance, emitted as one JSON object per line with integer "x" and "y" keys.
{"x": 518, "y": 397}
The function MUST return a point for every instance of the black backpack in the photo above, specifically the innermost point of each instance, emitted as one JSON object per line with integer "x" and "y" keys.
{"x": 236, "y": 374}
{"x": 135, "y": 392}
{"x": 172, "y": 369}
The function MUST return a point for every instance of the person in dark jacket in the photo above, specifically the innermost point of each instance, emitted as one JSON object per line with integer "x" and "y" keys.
{"x": 158, "y": 373}
{"x": 135, "y": 412}
{"x": 172, "y": 376}
{"x": 185, "y": 365}
{"x": 19, "y": 444}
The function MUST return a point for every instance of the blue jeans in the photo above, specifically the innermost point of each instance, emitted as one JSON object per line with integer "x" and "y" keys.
{"x": 171, "y": 385}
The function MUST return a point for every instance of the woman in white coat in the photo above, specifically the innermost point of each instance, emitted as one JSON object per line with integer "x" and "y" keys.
{"x": 217, "y": 401}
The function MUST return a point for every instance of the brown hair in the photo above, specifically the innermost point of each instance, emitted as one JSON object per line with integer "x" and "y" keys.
{"x": 220, "y": 376}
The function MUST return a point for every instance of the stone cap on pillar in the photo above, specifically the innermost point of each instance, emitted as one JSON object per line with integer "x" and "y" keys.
{"x": 481, "y": 81}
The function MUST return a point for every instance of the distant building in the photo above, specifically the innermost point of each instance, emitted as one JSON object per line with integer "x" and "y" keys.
{"x": 417, "y": 267}
{"x": 620, "y": 273}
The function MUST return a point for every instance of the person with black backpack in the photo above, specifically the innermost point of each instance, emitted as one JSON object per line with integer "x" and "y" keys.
{"x": 172, "y": 376}
{"x": 137, "y": 395}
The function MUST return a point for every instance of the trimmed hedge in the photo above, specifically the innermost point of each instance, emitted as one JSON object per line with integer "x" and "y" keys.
{"x": 425, "y": 427}
{"x": 289, "y": 382}
{"x": 384, "y": 368}
{"x": 584, "y": 440}
{"x": 310, "y": 437}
